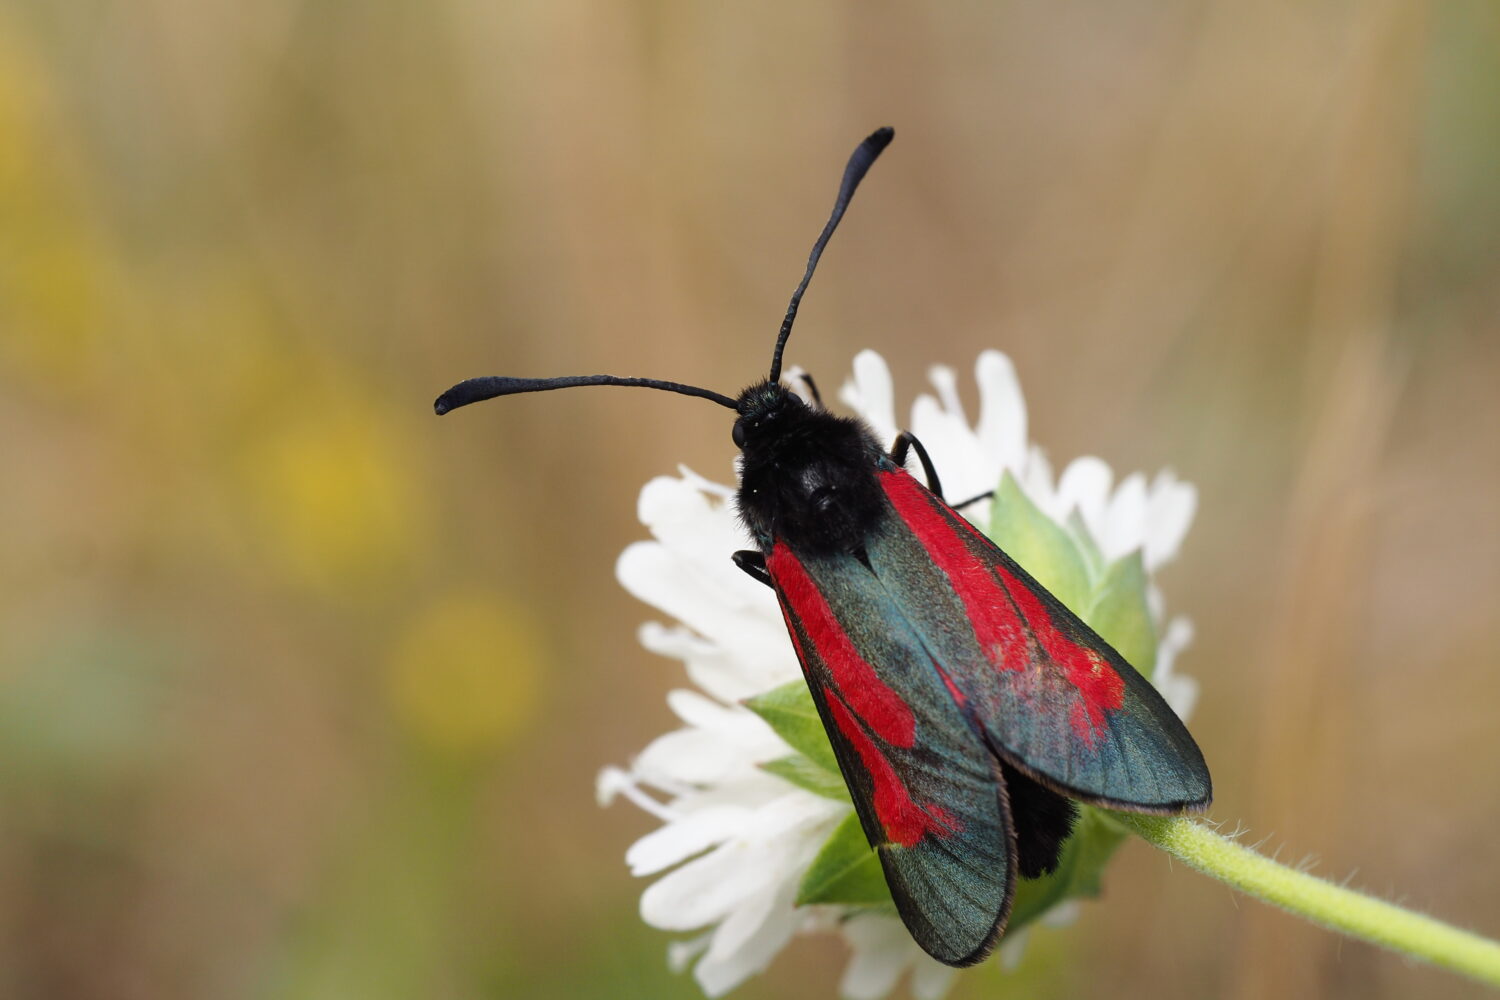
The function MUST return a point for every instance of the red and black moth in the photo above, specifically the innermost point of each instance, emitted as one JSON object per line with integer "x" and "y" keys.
{"x": 967, "y": 707}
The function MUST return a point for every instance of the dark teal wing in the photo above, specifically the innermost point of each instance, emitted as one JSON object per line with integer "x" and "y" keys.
{"x": 1051, "y": 696}
{"x": 927, "y": 790}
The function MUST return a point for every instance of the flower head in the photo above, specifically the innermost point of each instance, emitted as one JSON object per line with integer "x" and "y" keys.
{"x": 748, "y": 818}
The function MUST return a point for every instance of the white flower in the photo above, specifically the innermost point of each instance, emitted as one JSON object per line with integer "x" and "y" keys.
{"x": 737, "y": 839}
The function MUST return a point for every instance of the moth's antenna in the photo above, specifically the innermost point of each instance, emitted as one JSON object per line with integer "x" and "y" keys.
{"x": 854, "y": 172}
{"x": 475, "y": 389}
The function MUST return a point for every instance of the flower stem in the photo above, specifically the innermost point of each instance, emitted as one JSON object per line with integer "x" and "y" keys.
{"x": 1334, "y": 906}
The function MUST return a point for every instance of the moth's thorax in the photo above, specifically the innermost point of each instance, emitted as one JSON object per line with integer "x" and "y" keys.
{"x": 807, "y": 477}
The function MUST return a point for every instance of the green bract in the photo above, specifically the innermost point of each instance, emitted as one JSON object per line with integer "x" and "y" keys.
{"x": 1110, "y": 597}
{"x": 846, "y": 871}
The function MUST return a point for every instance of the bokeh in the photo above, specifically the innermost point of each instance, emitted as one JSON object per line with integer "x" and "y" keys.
{"x": 303, "y": 690}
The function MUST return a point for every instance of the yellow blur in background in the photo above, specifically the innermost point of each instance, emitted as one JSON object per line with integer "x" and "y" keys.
{"x": 302, "y": 691}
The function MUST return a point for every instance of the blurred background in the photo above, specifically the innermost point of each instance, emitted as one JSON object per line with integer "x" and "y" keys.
{"x": 303, "y": 691}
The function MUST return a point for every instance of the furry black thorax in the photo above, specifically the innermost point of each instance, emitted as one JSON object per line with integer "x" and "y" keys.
{"x": 807, "y": 476}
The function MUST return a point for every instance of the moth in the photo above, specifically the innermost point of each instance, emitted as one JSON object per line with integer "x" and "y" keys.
{"x": 967, "y": 707}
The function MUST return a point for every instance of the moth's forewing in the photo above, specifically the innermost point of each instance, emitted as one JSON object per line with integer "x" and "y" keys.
{"x": 1051, "y": 696}
{"x": 926, "y": 788}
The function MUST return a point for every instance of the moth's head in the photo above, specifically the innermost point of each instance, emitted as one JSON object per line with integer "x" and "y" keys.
{"x": 763, "y": 409}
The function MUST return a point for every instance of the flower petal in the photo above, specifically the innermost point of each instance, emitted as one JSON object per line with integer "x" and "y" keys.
{"x": 762, "y": 660}
{"x": 680, "y": 954}
{"x": 742, "y": 925}
{"x": 1063, "y": 914}
{"x": 709, "y": 665}
{"x": 1002, "y": 411}
{"x": 702, "y": 891}
{"x": 870, "y": 394}
{"x": 747, "y": 940}
{"x": 767, "y": 848}
{"x": 1169, "y": 513}
{"x": 734, "y": 724}
{"x": 1084, "y": 487}
{"x": 882, "y": 948}
{"x": 1013, "y": 949}
{"x": 614, "y": 781}
{"x": 796, "y": 378}
{"x": 682, "y": 516}
{"x": 931, "y": 979}
{"x": 691, "y": 756}
{"x": 1036, "y": 481}
{"x": 962, "y": 465}
{"x": 696, "y": 710}
{"x": 1125, "y": 520}
{"x": 946, "y": 383}
{"x": 706, "y": 485}
{"x": 654, "y": 575}
{"x": 757, "y": 787}
{"x": 681, "y": 839}
{"x": 1179, "y": 691}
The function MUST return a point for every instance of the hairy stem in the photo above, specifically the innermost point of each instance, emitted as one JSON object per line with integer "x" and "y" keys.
{"x": 1334, "y": 906}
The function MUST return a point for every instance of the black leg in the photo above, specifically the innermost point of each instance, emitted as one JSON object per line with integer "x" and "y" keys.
{"x": 812, "y": 387}
{"x": 972, "y": 500}
{"x": 754, "y": 564}
{"x": 904, "y": 443}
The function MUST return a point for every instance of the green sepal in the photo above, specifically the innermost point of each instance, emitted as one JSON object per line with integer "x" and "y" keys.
{"x": 1038, "y": 543}
{"x": 804, "y": 772}
{"x": 1121, "y": 615}
{"x": 846, "y": 871}
{"x": 789, "y": 710}
{"x": 1088, "y": 549}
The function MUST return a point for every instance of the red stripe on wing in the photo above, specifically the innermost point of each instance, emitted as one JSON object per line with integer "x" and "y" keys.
{"x": 1101, "y": 687}
{"x": 996, "y": 624}
{"x": 959, "y": 698}
{"x": 882, "y": 709}
{"x": 905, "y": 822}
{"x": 1003, "y": 609}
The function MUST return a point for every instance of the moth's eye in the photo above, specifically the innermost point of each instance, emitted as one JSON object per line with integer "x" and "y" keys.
{"x": 738, "y": 433}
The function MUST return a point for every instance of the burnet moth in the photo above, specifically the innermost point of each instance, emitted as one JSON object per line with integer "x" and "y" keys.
{"x": 967, "y": 707}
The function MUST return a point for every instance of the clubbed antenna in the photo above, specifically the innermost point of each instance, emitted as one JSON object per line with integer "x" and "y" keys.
{"x": 475, "y": 389}
{"x": 854, "y": 172}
